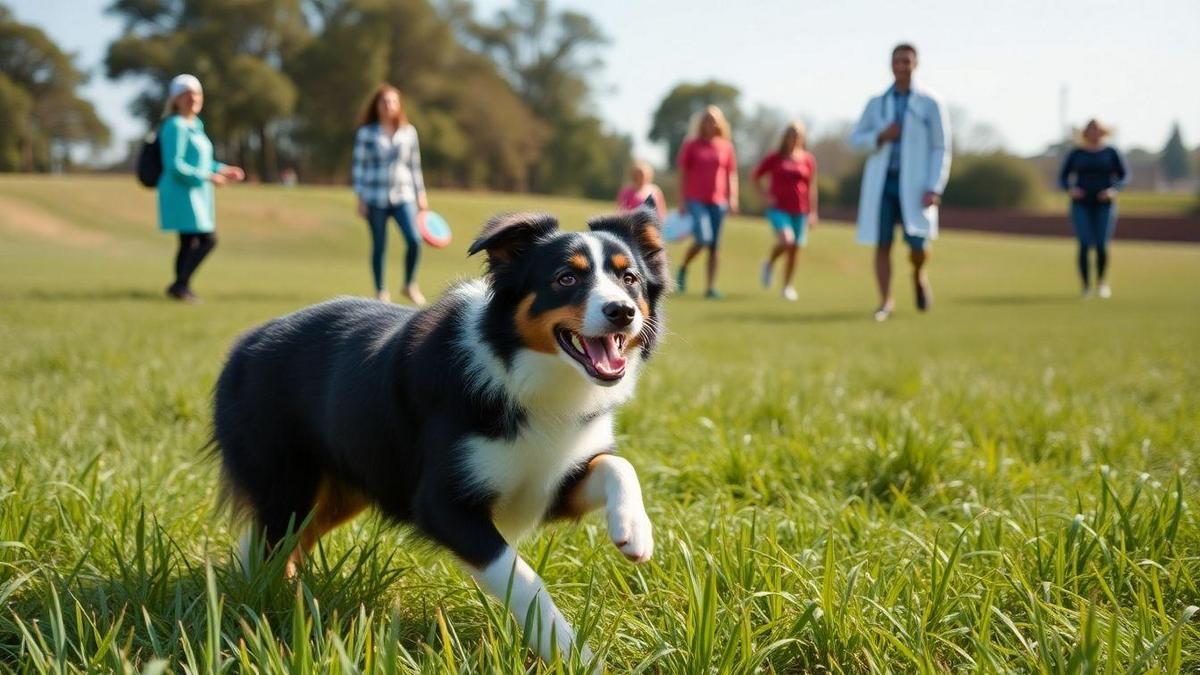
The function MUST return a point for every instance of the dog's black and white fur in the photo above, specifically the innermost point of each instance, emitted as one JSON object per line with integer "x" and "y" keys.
{"x": 474, "y": 420}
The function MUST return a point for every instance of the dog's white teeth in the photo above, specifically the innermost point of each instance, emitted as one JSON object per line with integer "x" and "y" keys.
{"x": 576, "y": 343}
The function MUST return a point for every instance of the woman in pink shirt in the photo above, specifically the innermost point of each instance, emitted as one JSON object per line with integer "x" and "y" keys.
{"x": 642, "y": 191}
{"x": 792, "y": 199}
{"x": 708, "y": 185}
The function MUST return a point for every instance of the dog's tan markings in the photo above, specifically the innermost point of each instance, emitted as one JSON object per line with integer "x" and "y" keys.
{"x": 573, "y": 505}
{"x": 650, "y": 239}
{"x": 537, "y": 331}
{"x": 579, "y": 261}
{"x": 336, "y": 503}
{"x": 620, "y": 261}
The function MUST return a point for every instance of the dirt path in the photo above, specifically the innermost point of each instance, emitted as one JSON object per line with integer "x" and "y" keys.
{"x": 30, "y": 220}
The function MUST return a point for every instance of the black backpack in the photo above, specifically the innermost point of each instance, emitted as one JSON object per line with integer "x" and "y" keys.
{"x": 149, "y": 162}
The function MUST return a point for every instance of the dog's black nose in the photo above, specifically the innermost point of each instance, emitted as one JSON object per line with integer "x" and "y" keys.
{"x": 619, "y": 313}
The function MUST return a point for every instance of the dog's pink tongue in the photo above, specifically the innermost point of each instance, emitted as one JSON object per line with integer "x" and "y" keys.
{"x": 604, "y": 354}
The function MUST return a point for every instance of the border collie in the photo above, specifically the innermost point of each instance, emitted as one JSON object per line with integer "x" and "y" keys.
{"x": 473, "y": 420}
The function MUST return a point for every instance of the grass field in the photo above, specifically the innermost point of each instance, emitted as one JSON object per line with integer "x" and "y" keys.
{"x": 1008, "y": 484}
{"x": 1134, "y": 203}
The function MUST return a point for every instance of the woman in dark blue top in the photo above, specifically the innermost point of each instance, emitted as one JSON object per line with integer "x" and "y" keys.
{"x": 1092, "y": 174}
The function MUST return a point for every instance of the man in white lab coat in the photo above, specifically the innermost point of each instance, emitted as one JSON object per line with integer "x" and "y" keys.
{"x": 907, "y": 132}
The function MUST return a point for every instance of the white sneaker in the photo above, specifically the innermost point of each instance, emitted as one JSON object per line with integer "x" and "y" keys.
{"x": 1087, "y": 293}
{"x": 1104, "y": 291}
{"x": 789, "y": 293}
{"x": 765, "y": 276}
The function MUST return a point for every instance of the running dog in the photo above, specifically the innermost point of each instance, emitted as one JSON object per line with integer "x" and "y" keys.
{"x": 474, "y": 420}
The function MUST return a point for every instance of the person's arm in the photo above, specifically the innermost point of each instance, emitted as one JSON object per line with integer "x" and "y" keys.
{"x": 174, "y": 149}
{"x": 761, "y": 170}
{"x": 865, "y": 135}
{"x": 813, "y": 194}
{"x": 358, "y": 168}
{"x": 1064, "y": 174}
{"x": 681, "y": 165}
{"x": 939, "y": 153}
{"x": 732, "y": 172}
{"x": 414, "y": 165}
{"x": 660, "y": 203}
{"x": 1119, "y": 171}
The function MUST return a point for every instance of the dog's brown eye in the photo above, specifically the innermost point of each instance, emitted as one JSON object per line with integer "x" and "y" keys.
{"x": 567, "y": 280}
{"x": 629, "y": 278}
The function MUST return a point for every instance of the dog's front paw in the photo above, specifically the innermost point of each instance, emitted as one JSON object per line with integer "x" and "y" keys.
{"x": 631, "y": 531}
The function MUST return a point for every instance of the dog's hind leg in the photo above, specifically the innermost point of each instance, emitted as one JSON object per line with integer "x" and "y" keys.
{"x": 611, "y": 482}
{"x": 336, "y": 503}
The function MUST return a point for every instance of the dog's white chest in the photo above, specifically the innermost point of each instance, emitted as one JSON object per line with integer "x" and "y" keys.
{"x": 526, "y": 472}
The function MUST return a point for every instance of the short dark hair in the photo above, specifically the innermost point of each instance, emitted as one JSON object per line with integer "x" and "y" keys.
{"x": 904, "y": 47}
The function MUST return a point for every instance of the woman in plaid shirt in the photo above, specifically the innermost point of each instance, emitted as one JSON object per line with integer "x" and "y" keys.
{"x": 387, "y": 179}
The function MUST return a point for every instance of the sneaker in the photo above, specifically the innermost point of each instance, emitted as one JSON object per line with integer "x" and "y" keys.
{"x": 1104, "y": 291}
{"x": 789, "y": 293}
{"x": 681, "y": 280}
{"x": 883, "y": 314}
{"x": 765, "y": 275}
{"x": 713, "y": 294}
{"x": 182, "y": 294}
{"x": 383, "y": 296}
{"x": 1086, "y": 294}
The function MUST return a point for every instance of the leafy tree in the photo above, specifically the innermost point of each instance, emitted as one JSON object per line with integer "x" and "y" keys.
{"x": 670, "y": 122}
{"x": 475, "y": 131}
{"x": 236, "y": 47}
{"x": 1174, "y": 159}
{"x": 41, "y": 114}
{"x": 548, "y": 56}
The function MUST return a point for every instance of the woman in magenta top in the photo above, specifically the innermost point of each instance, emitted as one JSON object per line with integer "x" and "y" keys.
{"x": 708, "y": 183}
{"x": 642, "y": 192}
{"x": 792, "y": 200}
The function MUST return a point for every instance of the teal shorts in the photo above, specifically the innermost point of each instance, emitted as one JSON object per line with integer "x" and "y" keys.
{"x": 797, "y": 222}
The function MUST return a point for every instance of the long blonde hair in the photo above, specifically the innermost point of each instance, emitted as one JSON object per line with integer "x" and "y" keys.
{"x": 698, "y": 118}
{"x": 795, "y": 127}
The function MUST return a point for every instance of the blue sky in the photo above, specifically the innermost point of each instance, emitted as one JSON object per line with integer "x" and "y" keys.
{"x": 1133, "y": 64}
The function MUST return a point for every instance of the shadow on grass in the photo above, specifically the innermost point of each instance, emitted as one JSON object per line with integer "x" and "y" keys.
{"x": 145, "y": 295}
{"x": 1015, "y": 299}
{"x": 787, "y": 318}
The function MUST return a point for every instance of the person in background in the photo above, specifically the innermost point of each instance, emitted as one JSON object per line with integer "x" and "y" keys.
{"x": 907, "y": 131}
{"x": 792, "y": 198}
{"x": 185, "y": 188}
{"x": 708, "y": 186}
{"x": 642, "y": 192}
{"x": 387, "y": 179}
{"x": 1092, "y": 174}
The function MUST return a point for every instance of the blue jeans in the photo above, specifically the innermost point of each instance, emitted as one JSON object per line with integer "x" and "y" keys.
{"x": 890, "y": 214}
{"x": 1094, "y": 223}
{"x": 700, "y": 212}
{"x": 405, "y": 214}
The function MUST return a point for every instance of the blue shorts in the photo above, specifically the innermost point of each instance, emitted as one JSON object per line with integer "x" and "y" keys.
{"x": 706, "y": 221}
{"x": 796, "y": 222}
{"x": 890, "y": 215}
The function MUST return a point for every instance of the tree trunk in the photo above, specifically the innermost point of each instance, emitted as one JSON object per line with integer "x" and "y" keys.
{"x": 266, "y": 155}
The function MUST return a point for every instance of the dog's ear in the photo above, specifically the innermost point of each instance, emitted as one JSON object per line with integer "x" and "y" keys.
{"x": 506, "y": 236}
{"x": 641, "y": 230}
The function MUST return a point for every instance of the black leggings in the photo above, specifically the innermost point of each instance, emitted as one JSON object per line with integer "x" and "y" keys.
{"x": 193, "y": 249}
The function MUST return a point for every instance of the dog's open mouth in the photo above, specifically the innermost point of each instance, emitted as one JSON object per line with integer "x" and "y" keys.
{"x": 600, "y": 356}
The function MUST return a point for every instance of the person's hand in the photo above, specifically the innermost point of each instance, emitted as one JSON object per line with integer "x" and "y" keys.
{"x": 1076, "y": 193}
{"x": 233, "y": 173}
{"x": 1106, "y": 195}
{"x": 422, "y": 202}
{"x": 891, "y": 133}
{"x": 931, "y": 198}
{"x": 362, "y": 209}
{"x": 814, "y": 220}
{"x": 218, "y": 179}
{"x": 733, "y": 205}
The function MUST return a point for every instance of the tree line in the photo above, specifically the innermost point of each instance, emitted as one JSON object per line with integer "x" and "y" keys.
{"x": 502, "y": 102}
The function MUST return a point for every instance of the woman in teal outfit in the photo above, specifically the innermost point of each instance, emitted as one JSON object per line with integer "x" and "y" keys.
{"x": 185, "y": 189}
